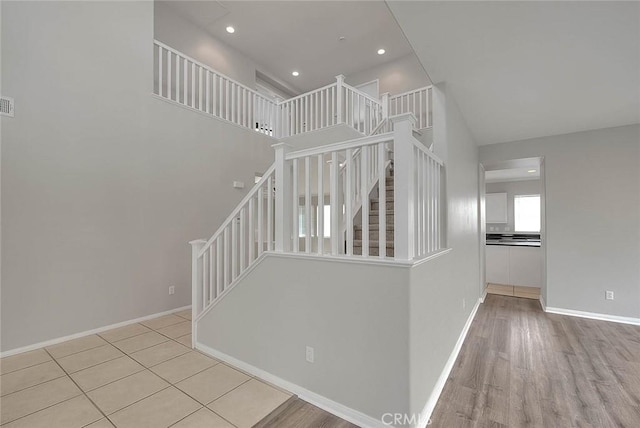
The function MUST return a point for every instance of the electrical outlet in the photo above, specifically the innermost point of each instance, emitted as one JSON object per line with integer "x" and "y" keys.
{"x": 310, "y": 355}
{"x": 608, "y": 295}
{"x": 172, "y": 290}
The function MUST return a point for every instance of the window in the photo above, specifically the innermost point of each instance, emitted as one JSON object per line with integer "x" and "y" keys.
{"x": 527, "y": 213}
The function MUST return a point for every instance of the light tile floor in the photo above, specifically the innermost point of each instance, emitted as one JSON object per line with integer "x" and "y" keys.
{"x": 141, "y": 375}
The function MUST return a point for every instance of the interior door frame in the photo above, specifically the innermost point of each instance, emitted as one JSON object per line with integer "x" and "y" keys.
{"x": 482, "y": 231}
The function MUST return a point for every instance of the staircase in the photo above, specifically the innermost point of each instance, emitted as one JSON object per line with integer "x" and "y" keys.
{"x": 374, "y": 225}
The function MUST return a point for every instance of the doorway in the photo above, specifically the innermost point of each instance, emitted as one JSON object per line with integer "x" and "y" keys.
{"x": 512, "y": 228}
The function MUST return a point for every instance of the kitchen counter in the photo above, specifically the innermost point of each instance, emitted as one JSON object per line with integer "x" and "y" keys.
{"x": 515, "y": 243}
{"x": 514, "y": 239}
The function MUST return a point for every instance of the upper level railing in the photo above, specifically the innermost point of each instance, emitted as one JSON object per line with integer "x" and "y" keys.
{"x": 416, "y": 101}
{"x": 182, "y": 79}
{"x": 186, "y": 81}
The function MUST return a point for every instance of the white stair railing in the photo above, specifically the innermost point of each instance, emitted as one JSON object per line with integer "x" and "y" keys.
{"x": 236, "y": 245}
{"x": 336, "y": 173}
{"x": 308, "y": 112}
{"x": 186, "y": 81}
{"x": 301, "y": 182}
{"x": 417, "y": 101}
{"x": 362, "y": 112}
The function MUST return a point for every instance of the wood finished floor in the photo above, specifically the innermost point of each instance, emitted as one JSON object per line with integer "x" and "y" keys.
{"x": 521, "y": 367}
{"x": 297, "y": 413}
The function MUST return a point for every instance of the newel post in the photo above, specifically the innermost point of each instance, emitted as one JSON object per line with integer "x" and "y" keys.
{"x": 196, "y": 279}
{"x": 384, "y": 100}
{"x": 340, "y": 98}
{"x": 282, "y": 201}
{"x": 403, "y": 171}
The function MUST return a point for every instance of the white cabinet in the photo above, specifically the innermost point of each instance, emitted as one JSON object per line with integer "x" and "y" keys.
{"x": 525, "y": 266}
{"x": 512, "y": 265}
{"x": 496, "y": 207}
{"x": 497, "y": 264}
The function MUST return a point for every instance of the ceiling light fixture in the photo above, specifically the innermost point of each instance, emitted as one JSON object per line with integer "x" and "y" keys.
{"x": 381, "y": 51}
{"x": 295, "y": 74}
{"x": 230, "y": 29}
{"x": 532, "y": 170}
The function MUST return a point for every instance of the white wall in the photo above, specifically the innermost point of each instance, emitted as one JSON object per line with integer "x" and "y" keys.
{"x": 511, "y": 188}
{"x": 443, "y": 291}
{"x": 395, "y": 77}
{"x": 353, "y": 315}
{"x": 592, "y": 211}
{"x": 102, "y": 183}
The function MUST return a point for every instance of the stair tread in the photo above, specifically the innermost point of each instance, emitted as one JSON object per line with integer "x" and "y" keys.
{"x": 375, "y": 226}
{"x": 358, "y": 243}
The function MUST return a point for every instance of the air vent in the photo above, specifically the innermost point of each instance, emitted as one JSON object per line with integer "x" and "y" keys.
{"x": 6, "y": 106}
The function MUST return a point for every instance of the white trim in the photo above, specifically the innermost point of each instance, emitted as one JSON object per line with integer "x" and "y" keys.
{"x": 484, "y": 295}
{"x": 542, "y": 303}
{"x": 342, "y": 411}
{"x": 418, "y": 262}
{"x": 591, "y": 315}
{"x": 87, "y": 333}
{"x": 430, "y": 405}
{"x": 370, "y": 260}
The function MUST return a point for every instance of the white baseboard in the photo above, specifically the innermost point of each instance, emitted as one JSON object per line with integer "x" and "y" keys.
{"x": 425, "y": 414}
{"x": 543, "y": 304}
{"x": 592, "y": 315}
{"x": 342, "y": 411}
{"x": 86, "y": 333}
{"x": 484, "y": 295}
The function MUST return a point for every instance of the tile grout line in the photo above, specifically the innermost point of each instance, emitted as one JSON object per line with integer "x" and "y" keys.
{"x": 46, "y": 407}
{"x": 26, "y": 367}
{"x": 124, "y": 338}
{"x": 135, "y": 402}
{"x": 94, "y": 365}
{"x": 31, "y": 386}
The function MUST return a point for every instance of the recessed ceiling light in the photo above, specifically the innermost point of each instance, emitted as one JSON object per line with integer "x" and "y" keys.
{"x": 295, "y": 74}
{"x": 532, "y": 170}
{"x": 230, "y": 29}
{"x": 381, "y": 51}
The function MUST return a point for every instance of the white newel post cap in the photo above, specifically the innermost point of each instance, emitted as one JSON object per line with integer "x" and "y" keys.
{"x": 404, "y": 117}
{"x": 281, "y": 145}
{"x": 197, "y": 242}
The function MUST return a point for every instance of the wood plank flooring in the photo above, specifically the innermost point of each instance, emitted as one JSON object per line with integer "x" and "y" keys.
{"x": 521, "y": 367}
{"x": 298, "y": 413}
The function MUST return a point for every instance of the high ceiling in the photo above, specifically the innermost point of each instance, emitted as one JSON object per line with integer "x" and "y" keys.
{"x": 522, "y": 70}
{"x": 304, "y": 35}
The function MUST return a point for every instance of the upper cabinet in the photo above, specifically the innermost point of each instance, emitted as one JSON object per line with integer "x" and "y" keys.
{"x": 496, "y": 207}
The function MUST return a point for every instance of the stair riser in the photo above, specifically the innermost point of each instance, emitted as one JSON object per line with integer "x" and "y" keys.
{"x": 373, "y": 235}
{"x": 376, "y": 205}
{"x": 375, "y": 218}
{"x": 372, "y": 252}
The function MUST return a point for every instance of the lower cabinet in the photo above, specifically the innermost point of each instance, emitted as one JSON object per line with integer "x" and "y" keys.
{"x": 514, "y": 265}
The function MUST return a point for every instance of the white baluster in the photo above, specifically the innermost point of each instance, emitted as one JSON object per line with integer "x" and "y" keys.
{"x": 160, "y": 70}
{"x": 270, "y": 214}
{"x": 307, "y": 203}
{"x": 295, "y": 208}
{"x": 335, "y": 208}
{"x": 348, "y": 198}
{"x": 382, "y": 201}
{"x": 320, "y": 204}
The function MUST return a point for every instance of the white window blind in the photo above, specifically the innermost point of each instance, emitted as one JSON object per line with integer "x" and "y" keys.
{"x": 527, "y": 213}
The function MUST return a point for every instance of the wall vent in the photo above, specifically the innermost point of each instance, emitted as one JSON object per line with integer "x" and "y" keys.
{"x": 6, "y": 106}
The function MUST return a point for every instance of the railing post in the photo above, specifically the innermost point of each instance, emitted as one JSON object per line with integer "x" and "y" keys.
{"x": 403, "y": 170}
{"x": 196, "y": 279}
{"x": 339, "y": 98}
{"x": 384, "y": 100}
{"x": 282, "y": 200}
